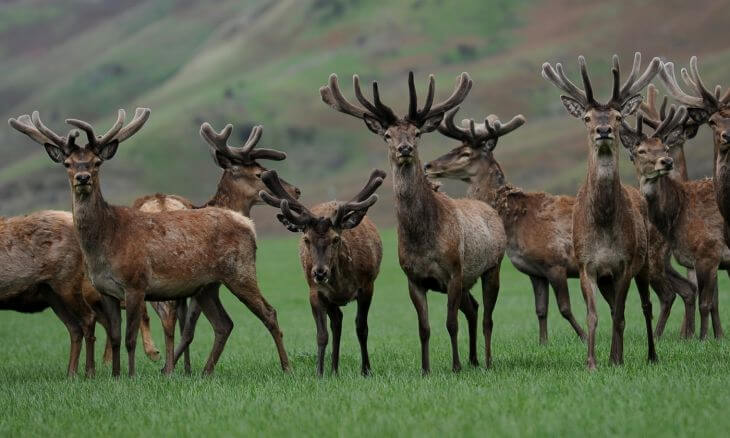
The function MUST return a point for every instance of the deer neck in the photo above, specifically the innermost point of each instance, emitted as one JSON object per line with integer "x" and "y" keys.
{"x": 228, "y": 195}
{"x": 721, "y": 172}
{"x": 485, "y": 182}
{"x": 94, "y": 220}
{"x": 665, "y": 200}
{"x": 603, "y": 186}
{"x": 416, "y": 206}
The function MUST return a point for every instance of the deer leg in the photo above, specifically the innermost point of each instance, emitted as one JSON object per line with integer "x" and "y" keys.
{"x": 688, "y": 330}
{"x": 150, "y": 349}
{"x": 135, "y": 307}
{"x": 715, "y": 314}
{"x": 335, "y": 315}
{"x": 222, "y": 324}
{"x": 470, "y": 309}
{"x": 642, "y": 284}
{"x": 182, "y": 318}
{"x": 540, "y": 289}
{"x": 247, "y": 291}
{"x": 706, "y": 280}
{"x": 418, "y": 297}
{"x": 688, "y": 292}
{"x": 559, "y": 281}
{"x": 111, "y": 308}
{"x": 361, "y": 327}
{"x": 320, "y": 321}
{"x": 453, "y": 301}
{"x": 589, "y": 285}
{"x": 103, "y": 319}
{"x": 191, "y": 320}
{"x": 74, "y": 330}
{"x": 167, "y": 310}
{"x": 490, "y": 291}
{"x": 660, "y": 283}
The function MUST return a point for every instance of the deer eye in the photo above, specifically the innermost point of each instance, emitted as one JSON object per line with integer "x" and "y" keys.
{"x": 619, "y": 118}
{"x": 66, "y": 164}
{"x": 712, "y": 123}
{"x": 387, "y": 136}
{"x": 97, "y": 163}
{"x": 418, "y": 133}
{"x": 336, "y": 240}
{"x": 641, "y": 151}
{"x": 587, "y": 119}
{"x": 306, "y": 240}
{"x": 258, "y": 175}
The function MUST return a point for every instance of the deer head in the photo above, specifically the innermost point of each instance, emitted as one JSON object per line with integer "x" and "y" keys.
{"x": 322, "y": 235}
{"x": 82, "y": 162}
{"x": 400, "y": 133}
{"x": 241, "y": 168}
{"x": 650, "y": 153}
{"x": 602, "y": 120}
{"x": 474, "y": 157}
{"x": 703, "y": 106}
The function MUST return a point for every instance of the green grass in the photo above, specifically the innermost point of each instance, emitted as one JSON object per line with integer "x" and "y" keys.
{"x": 532, "y": 390}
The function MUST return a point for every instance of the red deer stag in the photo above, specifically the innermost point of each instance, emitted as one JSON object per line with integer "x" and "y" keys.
{"x": 238, "y": 190}
{"x": 538, "y": 225}
{"x": 610, "y": 235}
{"x": 42, "y": 267}
{"x": 340, "y": 251}
{"x": 155, "y": 256}
{"x": 444, "y": 244}
{"x": 685, "y": 212}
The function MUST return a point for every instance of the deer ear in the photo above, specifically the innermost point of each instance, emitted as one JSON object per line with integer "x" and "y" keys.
{"x": 432, "y": 123}
{"x": 574, "y": 108}
{"x": 56, "y": 153}
{"x": 289, "y": 226}
{"x": 697, "y": 115}
{"x": 631, "y": 105}
{"x": 221, "y": 160}
{"x": 675, "y": 136}
{"x": 630, "y": 140}
{"x": 352, "y": 219}
{"x": 374, "y": 125}
{"x": 108, "y": 150}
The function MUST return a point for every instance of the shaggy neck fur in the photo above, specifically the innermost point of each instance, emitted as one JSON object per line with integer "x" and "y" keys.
{"x": 722, "y": 182}
{"x": 94, "y": 220}
{"x": 229, "y": 196}
{"x": 416, "y": 207}
{"x": 602, "y": 186}
{"x": 485, "y": 184}
{"x": 680, "y": 162}
{"x": 664, "y": 197}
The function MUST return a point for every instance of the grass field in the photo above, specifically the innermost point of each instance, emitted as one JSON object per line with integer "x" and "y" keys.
{"x": 530, "y": 391}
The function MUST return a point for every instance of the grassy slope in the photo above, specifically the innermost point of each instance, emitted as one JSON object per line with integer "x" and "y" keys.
{"x": 262, "y": 61}
{"x": 532, "y": 390}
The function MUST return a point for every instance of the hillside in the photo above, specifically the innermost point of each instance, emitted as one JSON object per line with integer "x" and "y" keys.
{"x": 262, "y": 61}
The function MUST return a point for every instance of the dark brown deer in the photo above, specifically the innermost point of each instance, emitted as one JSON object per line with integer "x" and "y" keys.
{"x": 538, "y": 225}
{"x": 609, "y": 219}
{"x": 155, "y": 256}
{"x": 653, "y": 116}
{"x": 42, "y": 267}
{"x": 685, "y": 212}
{"x": 340, "y": 252}
{"x": 444, "y": 244}
{"x": 238, "y": 190}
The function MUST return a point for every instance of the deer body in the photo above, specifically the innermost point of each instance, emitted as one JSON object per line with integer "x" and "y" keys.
{"x": 156, "y": 256}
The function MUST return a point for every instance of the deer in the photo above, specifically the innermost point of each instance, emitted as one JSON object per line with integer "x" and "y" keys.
{"x": 340, "y": 252}
{"x": 137, "y": 256}
{"x": 610, "y": 230}
{"x": 444, "y": 244}
{"x": 653, "y": 116}
{"x": 685, "y": 212}
{"x": 238, "y": 190}
{"x": 42, "y": 268}
{"x": 711, "y": 108}
{"x": 538, "y": 225}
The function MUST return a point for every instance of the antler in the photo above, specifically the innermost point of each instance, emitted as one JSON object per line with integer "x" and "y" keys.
{"x": 246, "y": 153}
{"x": 294, "y": 212}
{"x": 707, "y": 100}
{"x": 332, "y": 96}
{"x": 621, "y": 93}
{"x": 362, "y": 201}
{"x": 653, "y": 116}
{"x": 674, "y": 118}
{"x": 118, "y": 132}
{"x": 478, "y": 135}
{"x": 36, "y": 130}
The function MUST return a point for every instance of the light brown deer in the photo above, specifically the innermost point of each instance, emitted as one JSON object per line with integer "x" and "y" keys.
{"x": 685, "y": 212}
{"x": 340, "y": 252}
{"x": 538, "y": 225}
{"x": 42, "y": 267}
{"x": 444, "y": 244}
{"x": 609, "y": 219}
{"x": 155, "y": 256}
{"x": 238, "y": 190}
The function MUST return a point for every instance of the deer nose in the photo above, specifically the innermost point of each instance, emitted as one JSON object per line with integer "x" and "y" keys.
{"x": 427, "y": 166}
{"x": 83, "y": 177}
{"x": 320, "y": 273}
{"x": 297, "y": 191}
{"x": 604, "y": 130}
{"x": 725, "y": 136}
{"x": 405, "y": 149}
{"x": 667, "y": 162}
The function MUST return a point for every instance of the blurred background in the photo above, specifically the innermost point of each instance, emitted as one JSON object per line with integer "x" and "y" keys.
{"x": 263, "y": 61}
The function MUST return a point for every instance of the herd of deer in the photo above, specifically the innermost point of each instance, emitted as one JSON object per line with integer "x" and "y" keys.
{"x": 85, "y": 268}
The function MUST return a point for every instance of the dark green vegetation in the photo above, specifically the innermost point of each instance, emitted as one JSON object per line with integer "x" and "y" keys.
{"x": 531, "y": 391}
{"x": 262, "y": 61}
